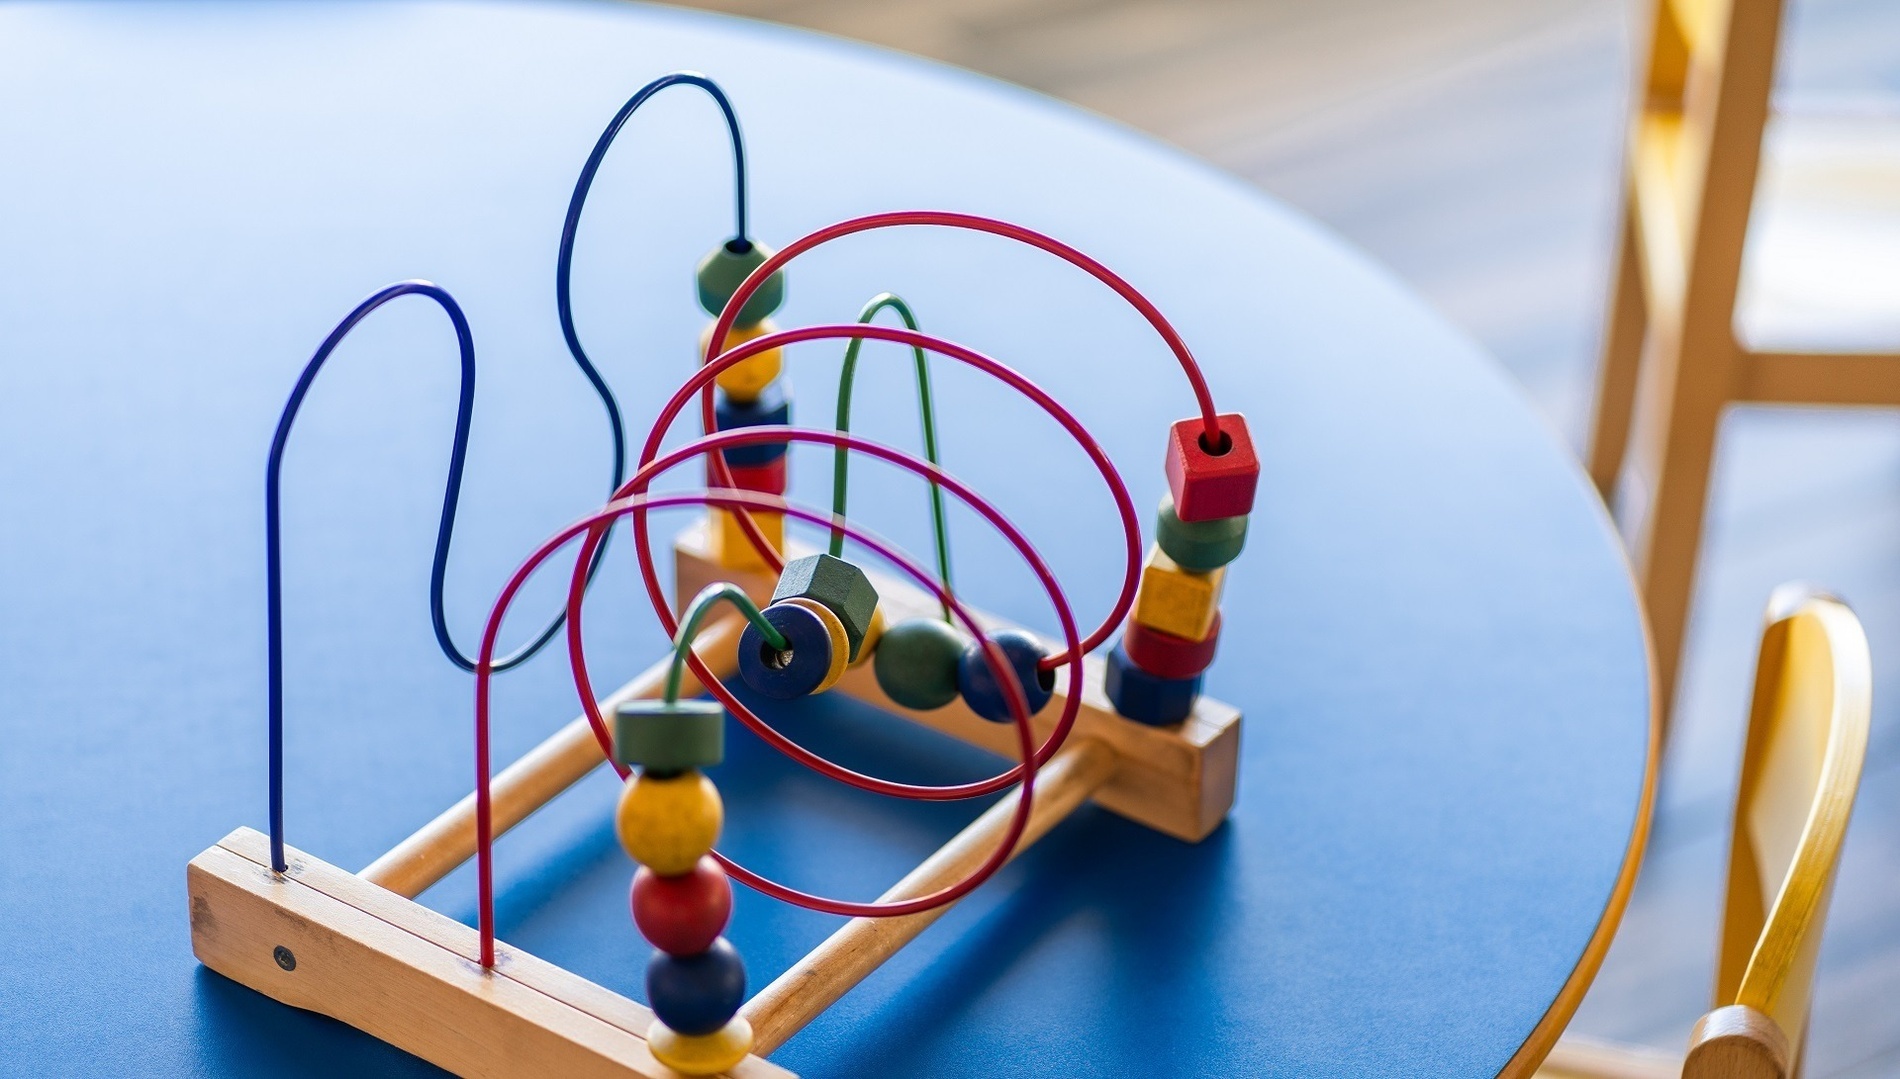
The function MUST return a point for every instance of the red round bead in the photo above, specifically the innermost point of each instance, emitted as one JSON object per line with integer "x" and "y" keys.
{"x": 682, "y": 915}
{"x": 1167, "y": 656}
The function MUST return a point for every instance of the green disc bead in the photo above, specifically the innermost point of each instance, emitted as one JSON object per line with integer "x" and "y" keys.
{"x": 1199, "y": 545}
{"x": 721, "y": 272}
{"x": 665, "y": 738}
{"x": 916, "y": 663}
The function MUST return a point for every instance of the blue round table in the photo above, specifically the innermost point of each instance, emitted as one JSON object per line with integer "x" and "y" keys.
{"x": 1446, "y": 758}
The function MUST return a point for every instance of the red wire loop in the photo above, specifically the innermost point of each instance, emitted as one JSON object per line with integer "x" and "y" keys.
{"x": 720, "y": 476}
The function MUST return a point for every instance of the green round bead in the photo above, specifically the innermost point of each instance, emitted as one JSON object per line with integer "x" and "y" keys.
{"x": 916, "y": 663}
{"x": 724, "y": 269}
{"x": 1199, "y": 545}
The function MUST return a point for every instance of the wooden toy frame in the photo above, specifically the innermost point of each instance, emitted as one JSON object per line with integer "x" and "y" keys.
{"x": 356, "y": 947}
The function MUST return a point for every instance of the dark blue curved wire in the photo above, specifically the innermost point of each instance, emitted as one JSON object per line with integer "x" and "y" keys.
{"x": 445, "y": 529}
{"x": 563, "y": 267}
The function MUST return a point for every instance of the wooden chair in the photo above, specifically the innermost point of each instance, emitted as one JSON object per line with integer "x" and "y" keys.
{"x": 1807, "y": 735}
{"x": 1673, "y": 359}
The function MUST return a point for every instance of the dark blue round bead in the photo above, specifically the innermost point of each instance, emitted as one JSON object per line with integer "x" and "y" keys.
{"x": 773, "y": 407}
{"x": 1148, "y": 698}
{"x": 696, "y": 994}
{"x": 795, "y": 672}
{"x": 979, "y": 687}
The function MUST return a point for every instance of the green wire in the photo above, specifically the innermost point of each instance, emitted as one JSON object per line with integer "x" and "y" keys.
{"x": 841, "y": 456}
{"x": 696, "y": 613}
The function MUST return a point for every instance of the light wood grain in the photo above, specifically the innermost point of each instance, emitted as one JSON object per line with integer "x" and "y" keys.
{"x": 436, "y": 849}
{"x": 1737, "y": 1042}
{"x": 1178, "y": 780}
{"x": 408, "y": 975}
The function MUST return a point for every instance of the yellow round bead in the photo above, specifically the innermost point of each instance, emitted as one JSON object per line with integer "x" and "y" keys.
{"x": 834, "y": 628}
{"x": 669, "y": 824}
{"x": 704, "y": 1054}
{"x": 872, "y": 634}
{"x": 745, "y": 380}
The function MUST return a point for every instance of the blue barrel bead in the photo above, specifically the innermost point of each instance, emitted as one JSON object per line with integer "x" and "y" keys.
{"x": 979, "y": 688}
{"x": 772, "y": 407}
{"x": 725, "y": 267}
{"x": 1148, "y": 698}
{"x": 916, "y": 662}
{"x": 795, "y": 672}
{"x": 696, "y": 994}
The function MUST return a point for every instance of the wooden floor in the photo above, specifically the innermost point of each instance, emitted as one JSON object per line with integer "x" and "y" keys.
{"x": 1471, "y": 146}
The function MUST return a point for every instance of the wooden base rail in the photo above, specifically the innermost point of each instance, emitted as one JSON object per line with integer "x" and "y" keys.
{"x": 355, "y": 946}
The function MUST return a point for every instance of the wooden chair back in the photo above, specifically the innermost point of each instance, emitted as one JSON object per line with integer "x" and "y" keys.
{"x": 1807, "y": 738}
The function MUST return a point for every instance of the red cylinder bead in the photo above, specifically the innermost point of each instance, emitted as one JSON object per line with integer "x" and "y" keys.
{"x": 682, "y": 915}
{"x": 1167, "y": 656}
{"x": 768, "y": 478}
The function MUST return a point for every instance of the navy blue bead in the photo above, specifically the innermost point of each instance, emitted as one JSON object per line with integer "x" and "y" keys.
{"x": 1148, "y": 698}
{"x": 785, "y": 676}
{"x": 697, "y": 994}
{"x": 979, "y": 687}
{"x": 774, "y": 406}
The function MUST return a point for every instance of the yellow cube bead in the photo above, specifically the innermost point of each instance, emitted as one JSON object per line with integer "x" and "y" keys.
{"x": 731, "y": 549}
{"x": 745, "y": 380}
{"x": 1176, "y": 601}
{"x": 668, "y": 824}
{"x": 704, "y": 1054}
{"x": 834, "y": 628}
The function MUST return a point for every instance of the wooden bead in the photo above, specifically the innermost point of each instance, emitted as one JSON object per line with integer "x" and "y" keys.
{"x": 1148, "y": 698}
{"x": 728, "y": 544}
{"x": 773, "y": 406}
{"x": 1210, "y": 482}
{"x": 838, "y": 585}
{"x": 840, "y": 644}
{"x": 1199, "y": 545}
{"x": 1175, "y": 601}
{"x": 669, "y": 823}
{"x": 916, "y": 662}
{"x": 682, "y": 915}
{"x": 696, "y": 994}
{"x": 745, "y": 380}
{"x": 768, "y": 478}
{"x": 795, "y": 672}
{"x": 662, "y": 736}
{"x": 708, "y": 1054}
{"x": 1168, "y": 656}
{"x": 724, "y": 269}
{"x": 873, "y": 633}
{"x": 979, "y": 687}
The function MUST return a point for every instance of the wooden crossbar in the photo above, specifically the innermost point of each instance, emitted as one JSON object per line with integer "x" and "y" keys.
{"x": 357, "y": 948}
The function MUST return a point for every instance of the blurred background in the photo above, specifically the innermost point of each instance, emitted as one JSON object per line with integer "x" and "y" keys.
{"x": 1473, "y": 147}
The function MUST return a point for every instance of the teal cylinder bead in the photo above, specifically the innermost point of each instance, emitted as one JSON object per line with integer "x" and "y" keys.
{"x": 722, "y": 271}
{"x": 1200, "y": 546}
{"x": 916, "y": 663}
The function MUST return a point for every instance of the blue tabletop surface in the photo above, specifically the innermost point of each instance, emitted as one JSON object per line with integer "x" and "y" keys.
{"x": 1431, "y": 633}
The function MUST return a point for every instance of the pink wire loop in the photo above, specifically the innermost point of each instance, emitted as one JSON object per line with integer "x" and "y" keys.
{"x": 595, "y": 522}
{"x": 703, "y": 379}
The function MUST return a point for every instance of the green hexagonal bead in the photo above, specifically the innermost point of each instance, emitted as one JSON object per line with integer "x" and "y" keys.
{"x": 916, "y": 662}
{"x": 665, "y": 738}
{"x": 724, "y": 269}
{"x": 1199, "y": 545}
{"x": 838, "y": 585}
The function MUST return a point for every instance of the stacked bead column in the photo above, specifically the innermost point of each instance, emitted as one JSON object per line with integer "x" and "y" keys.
{"x": 668, "y": 819}
{"x": 749, "y": 394}
{"x": 1155, "y": 672}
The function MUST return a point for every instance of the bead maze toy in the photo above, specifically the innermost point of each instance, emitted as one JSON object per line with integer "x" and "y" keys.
{"x": 1128, "y": 729}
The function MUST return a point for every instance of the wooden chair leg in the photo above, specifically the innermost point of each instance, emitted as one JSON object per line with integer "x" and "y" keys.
{"x": 1677, "y": 421}
{"x": 1621, "y": 361}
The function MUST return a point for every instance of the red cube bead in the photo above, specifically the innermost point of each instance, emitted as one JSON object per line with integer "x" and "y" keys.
{"x": 682, "y": 915}
{"x": 1166, "y": 656}
{"x": 1212, "y": 482}
{"x": 769, "y": 477}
